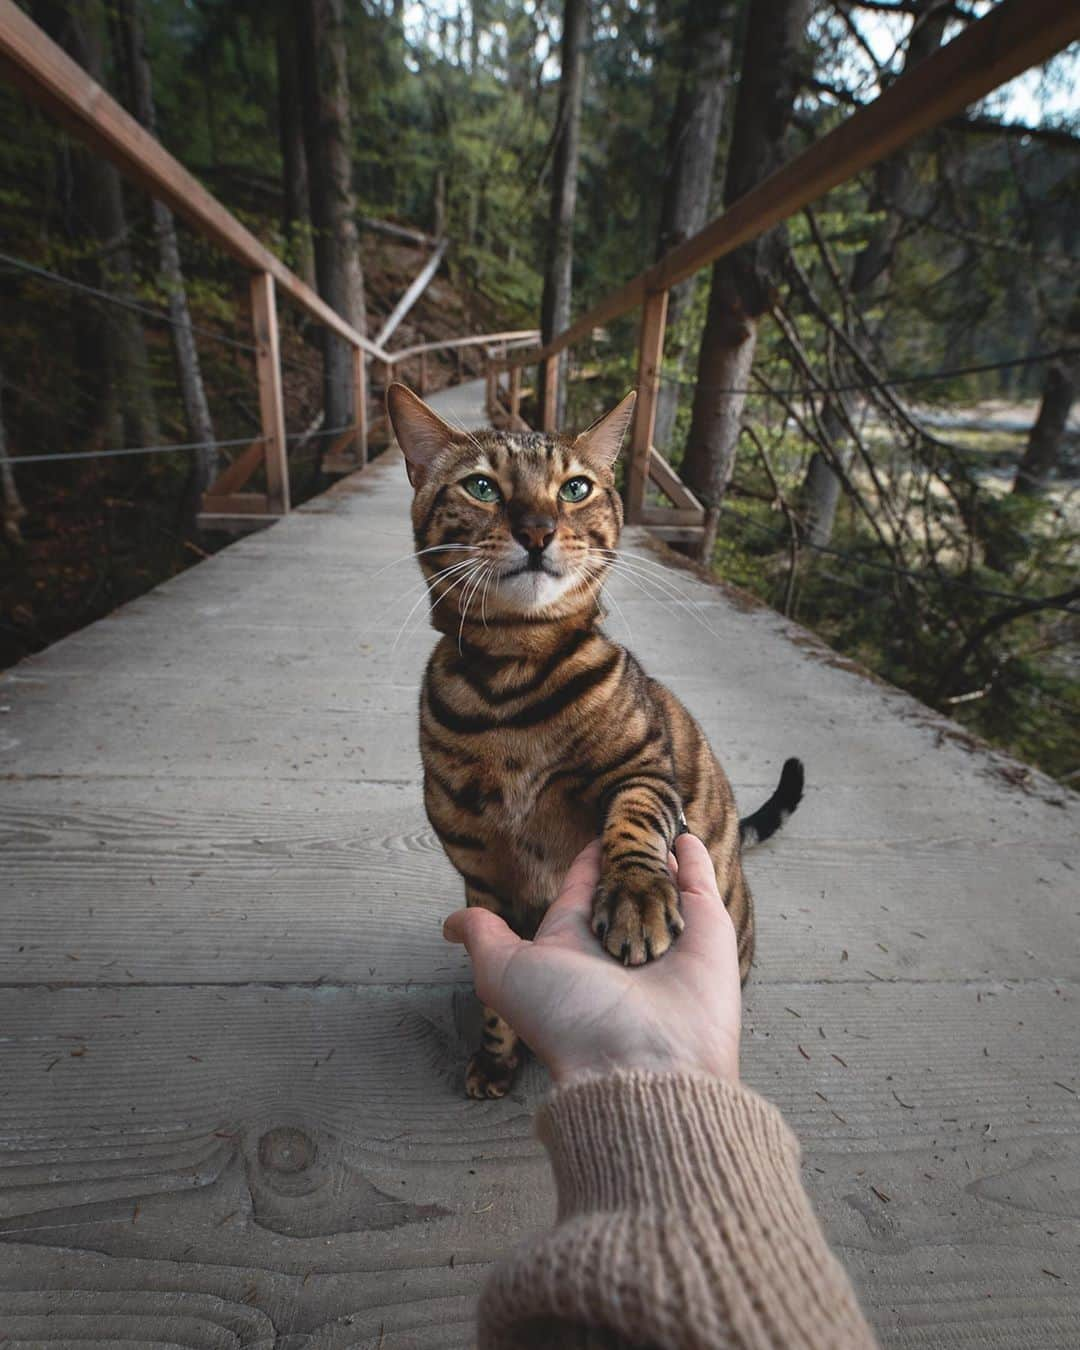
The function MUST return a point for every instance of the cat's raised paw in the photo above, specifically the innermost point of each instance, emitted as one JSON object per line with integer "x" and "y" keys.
{"x": 636, "y": 915}
{"x": 487, "y": 1076}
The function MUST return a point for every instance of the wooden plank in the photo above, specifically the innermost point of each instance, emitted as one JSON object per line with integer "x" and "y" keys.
{"x": 650, "y": 361}
{"x": 207, "y": 889}
{"x": 235, "y": 475}
{"x": 49, "y": 76}
{"x": 236, "y": 504}
{"x": 235, "y": 522}
{"x": 671, "y": 515}
{"x": 193, "y": 1203}
{"x": 416, "y": 289}
{"x": 515, "y": 393}
{"x": 1013, "y": 36}
{"x": 271, "y": 393}
{"x": 669, "y": 482}
{"x": 678, "y": 534}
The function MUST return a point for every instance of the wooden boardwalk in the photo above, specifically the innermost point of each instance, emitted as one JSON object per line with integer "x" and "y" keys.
{"x": 231, "y": 1038}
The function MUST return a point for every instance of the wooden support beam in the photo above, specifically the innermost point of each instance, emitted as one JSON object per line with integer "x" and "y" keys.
{"x": 669, "y": 482}
{"x": 549, "y": 412}
{"x": 235, "y": 475}
{"x": 271, "y": 397}
{"x": 515, "y": 392}
{"x": 50, "y": 77}
{"x": 650, "y": 360}
{"x": 416, "y": 289}
{"x": 423, "y": 374}
{"x": 360, "y": 402}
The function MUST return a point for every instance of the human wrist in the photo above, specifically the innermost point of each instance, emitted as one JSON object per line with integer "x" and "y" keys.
{"x": 569, "y": 1069}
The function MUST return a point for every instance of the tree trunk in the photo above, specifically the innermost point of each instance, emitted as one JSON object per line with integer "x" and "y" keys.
{"x": 820, "y": 490}
{"x": 559, "y": 260}
{"x": 296, "y": 220}
{"x": 1043, "y": 452}
{"x": 742, "y": 281}
{"x": 112, "y": 342}
{"x": 704, "y": 60}
{"x": 192, "y": 390}
{"x": 320, "y": 28}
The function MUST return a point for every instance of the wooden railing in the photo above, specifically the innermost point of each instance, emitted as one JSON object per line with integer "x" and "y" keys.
{"x": 1015, "y": 35}
{"x": 51, "y": 78}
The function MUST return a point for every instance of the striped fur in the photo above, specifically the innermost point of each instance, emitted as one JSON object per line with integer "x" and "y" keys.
{"x": 537, "y": 731}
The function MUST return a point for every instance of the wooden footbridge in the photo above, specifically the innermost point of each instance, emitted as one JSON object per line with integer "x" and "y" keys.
{"x": 231, "y": 1037}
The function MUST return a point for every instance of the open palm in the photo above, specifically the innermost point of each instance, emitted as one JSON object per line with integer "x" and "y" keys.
{"x": 583, "y": 1013}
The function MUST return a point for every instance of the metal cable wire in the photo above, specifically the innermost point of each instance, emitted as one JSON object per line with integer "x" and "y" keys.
{"x": 43, "y": 274}
{"x": 921, "y": 377}
{"x": 132, "y": 450}
{"x": 782, "y": 537}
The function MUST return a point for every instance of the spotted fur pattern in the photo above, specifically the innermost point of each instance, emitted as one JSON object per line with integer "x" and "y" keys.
{"x": 537, "y": 731}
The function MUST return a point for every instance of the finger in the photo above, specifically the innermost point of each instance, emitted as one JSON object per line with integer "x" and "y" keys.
{"x": 490, "y": 944}
{"x": 703, "y": 909}
{"x": 576, "y": 893}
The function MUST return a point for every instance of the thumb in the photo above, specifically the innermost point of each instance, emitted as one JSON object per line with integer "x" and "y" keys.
{"x": 489, "y": 942}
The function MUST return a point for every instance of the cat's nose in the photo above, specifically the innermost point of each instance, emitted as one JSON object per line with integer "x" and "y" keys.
{"x": 534, "y": 532}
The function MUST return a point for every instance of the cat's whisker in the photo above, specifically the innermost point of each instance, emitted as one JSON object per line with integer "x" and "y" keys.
{"x": 461, "y": 566}
{"x": 654, "y": 575}
{"x": 463, "y": 580}
{"x": 467, "y": 595}
{"x": 425, "y": 581}
{"x": 601, "y": 578}
{"x": 483, "y": 597}
{"x": 406, "y": 557}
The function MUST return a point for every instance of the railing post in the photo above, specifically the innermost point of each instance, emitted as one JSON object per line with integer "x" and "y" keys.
{"x": 549, "y": 412}
{"x": 650, "y": 359}
{"x": 490, "y": 382}
{"x": 271, "y": 397}
{"x": 515, "y": 391}
{"x": 423, "y": 374}
{"x": 360, "y": 415}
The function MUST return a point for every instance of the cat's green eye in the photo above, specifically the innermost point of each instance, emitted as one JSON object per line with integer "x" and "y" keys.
{"x": 575, "y": 489}
{"x": 481, "y": 487}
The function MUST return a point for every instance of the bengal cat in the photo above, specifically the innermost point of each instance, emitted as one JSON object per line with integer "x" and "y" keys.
{"x": 537, "y": 731}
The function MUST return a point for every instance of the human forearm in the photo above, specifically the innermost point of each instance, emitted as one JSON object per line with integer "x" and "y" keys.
{"x": 682, "y": 1222}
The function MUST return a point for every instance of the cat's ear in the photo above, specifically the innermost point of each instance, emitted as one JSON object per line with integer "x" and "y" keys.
{"x": 603, "y": 440}
{"x": 421, "y": 433}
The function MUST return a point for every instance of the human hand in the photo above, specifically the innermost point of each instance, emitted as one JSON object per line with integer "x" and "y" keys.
{"x": 584, "y": 1014}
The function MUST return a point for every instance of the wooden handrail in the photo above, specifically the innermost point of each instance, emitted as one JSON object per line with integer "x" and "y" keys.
{"x": 48, "y": 75}
{"x": 480, "y": 339}
{"x": 1015, "y": 35}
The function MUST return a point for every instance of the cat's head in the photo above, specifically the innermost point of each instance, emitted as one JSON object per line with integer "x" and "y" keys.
{"x": 525, "y": 520}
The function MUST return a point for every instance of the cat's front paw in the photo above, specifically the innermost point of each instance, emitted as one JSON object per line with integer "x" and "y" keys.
{"x": 636, "y": 914}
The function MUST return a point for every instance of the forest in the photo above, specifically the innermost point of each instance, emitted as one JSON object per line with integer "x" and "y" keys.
{"x": 876, "y": 400}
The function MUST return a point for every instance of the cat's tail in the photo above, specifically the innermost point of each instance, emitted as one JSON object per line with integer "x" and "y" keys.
{"x": 767, "y": 819}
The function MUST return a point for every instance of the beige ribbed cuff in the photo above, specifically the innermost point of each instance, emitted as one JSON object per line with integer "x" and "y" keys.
{"x": 682, "y": 1222}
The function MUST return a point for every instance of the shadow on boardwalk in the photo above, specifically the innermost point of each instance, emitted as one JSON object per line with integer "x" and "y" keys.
{"x": 231, "y": 1037}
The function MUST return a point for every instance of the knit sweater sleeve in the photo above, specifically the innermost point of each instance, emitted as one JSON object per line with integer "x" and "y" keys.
{"x": 682, "y": 1223}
